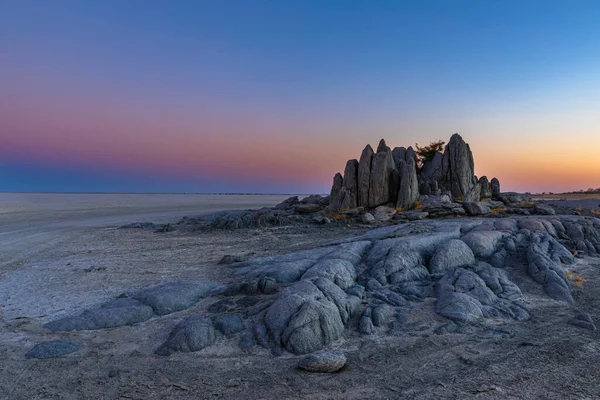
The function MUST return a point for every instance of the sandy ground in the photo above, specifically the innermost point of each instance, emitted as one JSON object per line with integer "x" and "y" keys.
{"x": 58, "y": 258}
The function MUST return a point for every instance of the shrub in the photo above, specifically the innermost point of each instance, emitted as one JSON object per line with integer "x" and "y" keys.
{"x": 426, "y": 153}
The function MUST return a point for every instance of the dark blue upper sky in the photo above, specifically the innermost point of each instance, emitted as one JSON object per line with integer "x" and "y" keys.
{"x": 109, "y": 92}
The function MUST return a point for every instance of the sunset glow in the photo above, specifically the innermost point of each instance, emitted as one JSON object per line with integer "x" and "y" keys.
{"x": 276, "y": 96}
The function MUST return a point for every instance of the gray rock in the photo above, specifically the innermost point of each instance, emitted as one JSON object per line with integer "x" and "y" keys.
{"x": 337, "y": 195}
{"x": 432, "y": 170}
{"x": 112, "y": 314}
{"x": 380, "y": 314}
{"x": 307, "y": 208}
{"x": 230, "y": 259}
{"x": 512, "y": 199}
{"x": 309, "y": 315}
{"x": 54, "y": 349}
{"x": 408, "y": 191}
{"x": 316, "y": 199}
{"x": 384, "y": 214}
{"x": 174, "y": 296}
{"x": 457, "y": 167}
{"x": 328, "y": 362}
{"x": 583, "y": 320}
{"x": 486, "y": 187}
{"x": 288, "y": 203}
{"x": 379, "y": 184}
{"x": 341, "y": 272}
{"x": 476, "y": 208}
{"x": 364, "y": 175}
{"x": 368, "y": 218}
{"x": 228, "y": 324}
{"x": 351, "y": 183}
{"x": 394, "y": 185}
{"x": 192, "y": 334}
{"x": 450, "y": 255}
{"x": 544, "y": 209}
{"x": 483, "y": 243}
{"x": 495, "y": 183}
{"x": 320, "y": 220}
{"x": 474, "y": 194}
{"x": 365, "y": 325}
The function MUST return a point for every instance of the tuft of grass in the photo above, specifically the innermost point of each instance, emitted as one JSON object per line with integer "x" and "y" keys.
{"x": 461, "y": 198}
{"x": 577, "y": 279}
{"x": 417, "y": 205}
{"x": 528, "y": 203}
{"x": 499, "y": 210}
{"x": 399, "y": 209}
{"x": 596, "y": 213}
{"x": 337, "y": 217}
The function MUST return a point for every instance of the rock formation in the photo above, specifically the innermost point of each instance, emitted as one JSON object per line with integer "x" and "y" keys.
{"x": 393, "y": 178}
{"x": 364, "y": 176}
{"x": 457, "y": 167}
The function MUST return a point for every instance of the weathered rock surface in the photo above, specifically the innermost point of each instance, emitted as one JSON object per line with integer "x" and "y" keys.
{"x": 337, "y": 195}
{"x": 495, "y": 183}
{"x": 192, "y": 334}
{"x": 143, "y": 305}
{"x": 331, "y": 361}
{"x": 476, "y": 208}
{"x": 174, "y": 296}
{"x": 486, "y": 187}
{"x": 351, "y": 184}
{"x": 457, "y": 167}
{"x": 379, "y": 184}
{"x": 54, "y": 349}
{"x": 364, "y": 175}
{"x": 408, "y": 191}
{"x": 228, "y": 324}
{"x": 451, "y": 255}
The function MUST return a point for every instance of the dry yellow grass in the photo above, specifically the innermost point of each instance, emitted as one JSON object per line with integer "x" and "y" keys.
{"x": 399, "y": 209}
{"x": 498, "y": 210}
{"x": 417, "y": 205}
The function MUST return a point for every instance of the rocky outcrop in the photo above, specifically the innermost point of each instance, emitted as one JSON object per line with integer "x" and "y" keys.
{"x": 495, "y": 183}
{"x": 379, "y": 184}
{"x": 457, "y": 167}
{"x": 486, "y": 187}
{"x": 408, "y": 191}
{"x": 393, "y": 178}
{"x": 364, "y": 176}
{"x": 351, "y": 184}
{"x": 338, "y": 192}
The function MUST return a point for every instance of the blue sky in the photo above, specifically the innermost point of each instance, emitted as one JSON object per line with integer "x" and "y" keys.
{"x": 268, "y": 96}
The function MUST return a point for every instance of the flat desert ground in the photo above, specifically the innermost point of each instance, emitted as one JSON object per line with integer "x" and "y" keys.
{"x": 62, "y": 253}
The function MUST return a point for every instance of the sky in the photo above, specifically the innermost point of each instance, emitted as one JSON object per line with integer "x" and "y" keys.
{"x": 273, "y": 96}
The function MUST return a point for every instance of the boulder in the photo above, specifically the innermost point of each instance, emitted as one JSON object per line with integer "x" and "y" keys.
{"x": 432, "y": 169}
{"x": 364, "y": 176}
{"x": 476, "y": 208}
{"x": 379, "y": 184}
{"x": 307, "y": 208}
{"x": 408, "y": 191}
{"x": 495, "y": 183}
{"x": 337, "y": 195}
{"x": 384, "y": 214}
{"x": 474, "y": 194}
{"x": 367, "y": 218}
{"x": 54, "y": 349}
{"x": 512, "y": 199}
{"x": 483, "y": 243}
{"x": 382, "y": 146}
{"x": 544, "y": 209}
{"x": 329, "y": 362}
{"x": 174, "y": 296}
{"x": 351, "y": 183}
{"x": 457, "y": 167}
{"x": 450, "y": 255}
{"x": 288, "y": 203}
{"x": 486, "y": 187}
{"x": 111, "y": 314}
{"x": 228, "y": 324}
{"x": 192, "y": 334}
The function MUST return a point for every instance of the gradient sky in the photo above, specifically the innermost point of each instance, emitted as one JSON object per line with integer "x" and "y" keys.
{"x": 275, "y": 96}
